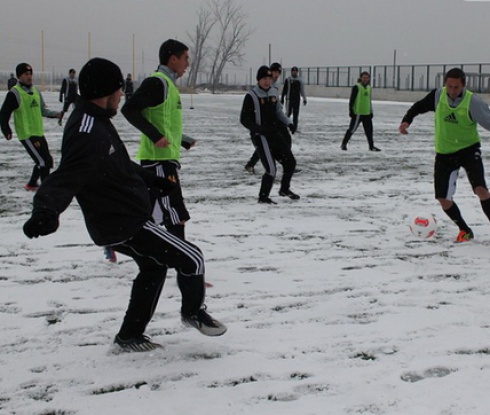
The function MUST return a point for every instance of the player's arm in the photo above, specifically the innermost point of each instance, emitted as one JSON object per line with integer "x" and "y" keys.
{"x": 428, "y": 103}
{"x": 9, "y": 105}
{"x": 149, "y": 94}
{"x": 479, "y": 112}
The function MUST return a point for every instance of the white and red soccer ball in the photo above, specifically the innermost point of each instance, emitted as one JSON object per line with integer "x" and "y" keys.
{"x": 423, "y": 225}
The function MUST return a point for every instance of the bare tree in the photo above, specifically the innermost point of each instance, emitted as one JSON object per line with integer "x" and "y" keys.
{"x": 231, "y": 38}
{"x": 199, "y": 50}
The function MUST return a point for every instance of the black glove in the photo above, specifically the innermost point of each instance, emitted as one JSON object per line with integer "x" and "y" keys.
{"x": 40, "y": 224}
{"x": 292, "y": 128}
{"x": 304, "y": 102}
{"x": 165, "y": 185}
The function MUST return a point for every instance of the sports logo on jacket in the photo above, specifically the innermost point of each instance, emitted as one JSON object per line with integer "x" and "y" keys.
{"x": 451, "y": 118}
{"x": 34, "y": 104}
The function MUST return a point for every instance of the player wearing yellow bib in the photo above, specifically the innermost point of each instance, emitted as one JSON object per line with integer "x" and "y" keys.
{"x": 360, "y": 111}
{"x": 156, "y": 110}
{"x": 457, "y": 143}
{"x": 27, "y": 104}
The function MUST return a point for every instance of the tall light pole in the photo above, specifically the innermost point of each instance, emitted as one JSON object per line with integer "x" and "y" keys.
{"x": 89, "y": 46}
{"x": 394, "y": 68}
{"x": 134, "y": 57}
{"x": 42, "y": 60}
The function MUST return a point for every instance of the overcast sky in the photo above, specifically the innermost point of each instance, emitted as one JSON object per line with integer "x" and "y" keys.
{"x": 303, "y": 33}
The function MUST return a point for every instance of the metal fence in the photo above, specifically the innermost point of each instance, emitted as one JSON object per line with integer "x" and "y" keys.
{"x": 399, "y": 77}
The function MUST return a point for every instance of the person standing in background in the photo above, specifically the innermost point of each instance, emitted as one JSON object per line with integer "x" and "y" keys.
{"x": 361, "y": 111}
{"x": 25, "y": 101}
{"x": 68, "y": 92}
{"x": 293, "y": 90}
{"x": 12, "y": 81}
{"x": 128, "y": 86}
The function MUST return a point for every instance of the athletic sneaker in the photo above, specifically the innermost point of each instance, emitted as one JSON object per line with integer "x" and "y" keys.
{"x": 203, "y": 322}
{"x": 136, "y": 344}
{"x": 30, "y": 188}
{"x": 289, "y": 194}
{"x": 374, "y": 149}
{"x": 110, "y": 254}
{"x": 266, "y": 200}
{"x": 343, "y": 147}
{"x": 465, "y": 236}
{"x": 249, "y": 168}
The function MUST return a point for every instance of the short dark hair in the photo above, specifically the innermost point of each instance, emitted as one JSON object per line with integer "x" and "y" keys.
{"x": 72, "y": 71}
{"x": 171, "y": 47}
{"x": 365, "y": 73}
{"x": 455, "y": 73}
{"x": 276, "y": 66}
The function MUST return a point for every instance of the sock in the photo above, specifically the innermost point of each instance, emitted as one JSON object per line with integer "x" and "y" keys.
{"x": 454, "y": 213}
{"x": 485, "y": 204}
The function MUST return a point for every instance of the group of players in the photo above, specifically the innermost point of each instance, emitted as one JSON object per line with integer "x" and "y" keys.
{"x": 138, "y": 209}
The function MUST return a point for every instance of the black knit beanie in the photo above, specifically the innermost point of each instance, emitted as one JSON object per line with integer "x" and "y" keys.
{"x": 23, "y": 68}
{"x": 263, "y": 72}
{"x": 99, "y": 78}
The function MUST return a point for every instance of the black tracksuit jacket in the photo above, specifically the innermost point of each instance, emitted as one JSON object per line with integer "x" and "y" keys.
{"x": 112, "y": 191}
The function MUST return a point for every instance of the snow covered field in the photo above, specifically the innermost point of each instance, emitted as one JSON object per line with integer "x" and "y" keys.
{"x": 332, "y": 306}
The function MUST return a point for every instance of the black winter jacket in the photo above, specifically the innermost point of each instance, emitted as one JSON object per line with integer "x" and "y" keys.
{"x": 112, "y": 191}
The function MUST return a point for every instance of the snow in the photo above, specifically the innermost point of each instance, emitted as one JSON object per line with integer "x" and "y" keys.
{"x": 333, "y": 307}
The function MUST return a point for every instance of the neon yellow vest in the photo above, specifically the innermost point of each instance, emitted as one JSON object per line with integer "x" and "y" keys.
{"x": 167, "y": 118}
{"x": 28, "y": 118}
{"x": 454, "y": 129}
{"x": 362, "y": 104}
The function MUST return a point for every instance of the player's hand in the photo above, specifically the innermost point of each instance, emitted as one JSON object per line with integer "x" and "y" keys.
{"x": 40, "y": 224}
{"x": 292, "y": 128}
{"x": 403, "y": 128}
{"x": 162, "y": 143}
{"x": 304, "y": 102}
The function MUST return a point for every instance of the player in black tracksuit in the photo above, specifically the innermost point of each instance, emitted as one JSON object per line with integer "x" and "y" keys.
{"x": 293, "y": 90}
{"x": 262, "y": 114}
{"x": 113, "y": 194}
{"x": 276, "y": 70}
{"x": 68, "y": 92}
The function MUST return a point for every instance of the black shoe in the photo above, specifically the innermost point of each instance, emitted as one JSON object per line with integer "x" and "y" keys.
{"x": 289, "y": 194}
{"x": 203, "y": 322}
{"x": 297, "y": 171}
{"x": 136, "y": 344}
{"x": 267, "y": 200}
{"x": 374, "y": 148}
{"x": 343, "y": 147}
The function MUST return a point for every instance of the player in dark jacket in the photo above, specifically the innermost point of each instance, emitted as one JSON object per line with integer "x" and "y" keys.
{"x": 113, "y": 194}
{"x": 262, "y": 114}
{"x": 293, "y": 90}
{"x": 12, "y": 81}
{"x": 68, "y": 92}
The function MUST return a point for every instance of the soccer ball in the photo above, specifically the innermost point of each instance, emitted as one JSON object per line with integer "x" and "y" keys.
{"x": 423, "y": 225}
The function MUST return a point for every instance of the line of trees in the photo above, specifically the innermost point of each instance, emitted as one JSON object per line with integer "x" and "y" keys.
{"x": 219, "y": 39}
